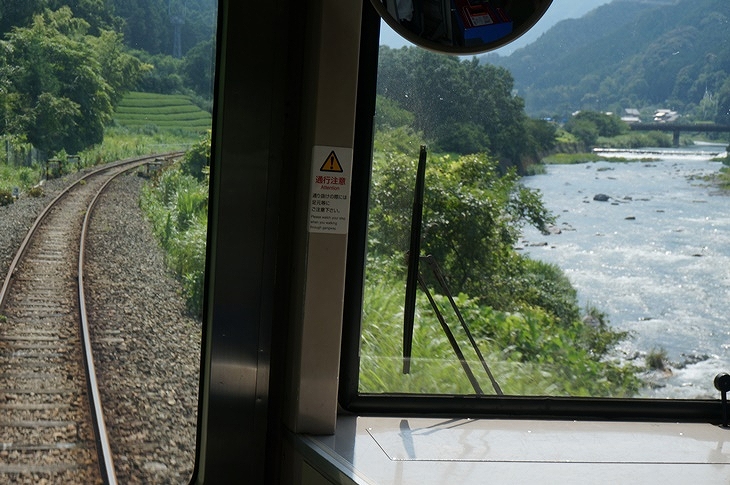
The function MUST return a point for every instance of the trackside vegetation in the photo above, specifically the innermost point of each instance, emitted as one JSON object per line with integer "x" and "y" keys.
{"x": 176, "y": 203}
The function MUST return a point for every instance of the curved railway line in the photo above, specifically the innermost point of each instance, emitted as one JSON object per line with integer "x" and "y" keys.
{"x": 51, "y": 419}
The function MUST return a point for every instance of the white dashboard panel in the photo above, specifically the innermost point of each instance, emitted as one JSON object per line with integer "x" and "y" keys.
{"x": 396, "y": 451}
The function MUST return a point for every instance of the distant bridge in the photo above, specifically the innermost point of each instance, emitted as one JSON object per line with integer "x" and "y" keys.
{"x": 676, "y": 128}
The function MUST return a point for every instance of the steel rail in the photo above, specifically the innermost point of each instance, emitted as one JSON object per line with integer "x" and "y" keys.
{"x": 26, "y": 242}
{"x": 97, "y": 411}
{"x": 106, "y": 463}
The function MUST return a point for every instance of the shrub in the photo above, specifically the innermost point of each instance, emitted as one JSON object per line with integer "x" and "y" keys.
{"x": 544, "y": 285}
{"x": 388, "y": 115}
{"x": 656, "y": 359}
{"x": 535, "y": 169}
{"x": 22, "y": 177}
{"x": 584, "y": 130}
{"x": 36, "y": 191}
{"x": 472, "y": 219}
{"x": 197, "y": 159}
{"x": 6, "y": 198}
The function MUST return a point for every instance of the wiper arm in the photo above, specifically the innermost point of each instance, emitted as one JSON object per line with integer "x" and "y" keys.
{"x": 436, "y": 269}
{"x": 415, "y": 278}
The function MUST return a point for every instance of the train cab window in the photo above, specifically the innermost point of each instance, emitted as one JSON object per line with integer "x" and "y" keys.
{"x": 105, "y": 122}
{"x": 571, "y": 235}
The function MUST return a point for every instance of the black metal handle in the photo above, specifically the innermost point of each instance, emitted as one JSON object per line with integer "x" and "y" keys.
{"x": 722, "y": 384}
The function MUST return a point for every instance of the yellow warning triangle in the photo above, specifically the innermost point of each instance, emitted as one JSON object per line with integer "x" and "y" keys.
{"x": 332, "y": 164}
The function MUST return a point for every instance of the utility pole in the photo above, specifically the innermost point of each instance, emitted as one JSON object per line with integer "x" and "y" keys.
{"x": 176, "y": 12}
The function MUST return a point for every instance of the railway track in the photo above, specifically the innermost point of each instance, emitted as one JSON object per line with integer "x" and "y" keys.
{"x": 51, "y": 420}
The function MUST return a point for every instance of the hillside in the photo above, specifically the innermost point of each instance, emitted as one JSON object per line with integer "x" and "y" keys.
{"x": 164, "y": 111}
{"x": 626, "y": 54}
{"x": 559, "y": 10}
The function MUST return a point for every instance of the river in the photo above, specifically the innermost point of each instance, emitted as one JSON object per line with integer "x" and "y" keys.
{"x": 655, "y": 257}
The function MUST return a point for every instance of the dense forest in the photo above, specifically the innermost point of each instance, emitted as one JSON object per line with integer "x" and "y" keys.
{"x": 459, "y": 106}
{"x": 66, "y": 64}
{"x": 147, "y": 25}
{"x": 630, "y": 54}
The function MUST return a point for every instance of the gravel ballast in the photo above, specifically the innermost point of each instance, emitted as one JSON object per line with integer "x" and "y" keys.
{"x": 146, "y": 345}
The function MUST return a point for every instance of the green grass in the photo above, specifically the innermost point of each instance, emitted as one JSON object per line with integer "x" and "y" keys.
{"x": 527, "y": 352}
{"x": 124, "y": 142}
{"x": 137, "y": 98}
{"x": 119, "y": 143}
{"x": 719, "y": 179}
{"x": 22, "y": 177}
{"x": 635, "y": 139}
{"x": 577, "y": 158}
{"x": 165, "y": 112}
{"x": 159, "y": 110}
{"x": 571, "y": 158}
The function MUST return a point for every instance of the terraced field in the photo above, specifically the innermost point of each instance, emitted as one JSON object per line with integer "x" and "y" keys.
{"x": 164, "y": 111}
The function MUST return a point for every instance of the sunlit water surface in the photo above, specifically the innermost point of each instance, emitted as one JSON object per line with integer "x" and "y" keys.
{"x": 655, "y": 257}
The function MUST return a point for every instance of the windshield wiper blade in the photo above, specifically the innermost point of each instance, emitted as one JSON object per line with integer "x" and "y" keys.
{"x": 414, "y": 251}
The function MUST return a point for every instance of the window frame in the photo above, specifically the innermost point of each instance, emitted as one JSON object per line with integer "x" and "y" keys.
{"x": 532, "y": 407}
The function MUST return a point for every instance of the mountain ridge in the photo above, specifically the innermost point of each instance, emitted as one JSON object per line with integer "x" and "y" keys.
{"x": 628, "y": 53}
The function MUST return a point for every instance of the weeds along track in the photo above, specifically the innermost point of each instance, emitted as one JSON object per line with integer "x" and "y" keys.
{"x": 51, "y": 420}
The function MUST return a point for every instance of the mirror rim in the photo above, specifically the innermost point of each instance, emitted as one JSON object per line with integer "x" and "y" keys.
{"x": 413, "y": 38}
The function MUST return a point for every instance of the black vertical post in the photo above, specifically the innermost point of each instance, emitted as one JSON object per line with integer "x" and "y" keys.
{"x": 414, "y": 251}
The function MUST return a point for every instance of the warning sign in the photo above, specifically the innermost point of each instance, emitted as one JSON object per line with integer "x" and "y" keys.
{"x": 329, "y": 210}
{"x": 332, "y": 164}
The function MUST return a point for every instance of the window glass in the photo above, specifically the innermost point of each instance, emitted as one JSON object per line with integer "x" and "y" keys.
{"x": 575, "y": 226}
{"x": 83, "y": 84}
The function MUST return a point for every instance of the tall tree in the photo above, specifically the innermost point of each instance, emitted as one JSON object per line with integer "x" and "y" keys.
{"x": 461, "y": 106}
{"x": 198, "y": 66}
{"x": 97, "y": 13}
{"x": 151, "y": 24}
{"x": 18, "y": 13}
{"x": 146, "y": 24}
{"x": 723, "y": 104}
{"x": 61, "y": 83}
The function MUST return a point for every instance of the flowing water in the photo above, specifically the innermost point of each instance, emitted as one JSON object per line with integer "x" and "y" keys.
{"x": 655, "y": 257}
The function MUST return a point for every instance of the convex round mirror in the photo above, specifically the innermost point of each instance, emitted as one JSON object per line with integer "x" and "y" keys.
{"x": 461, "y": 26}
